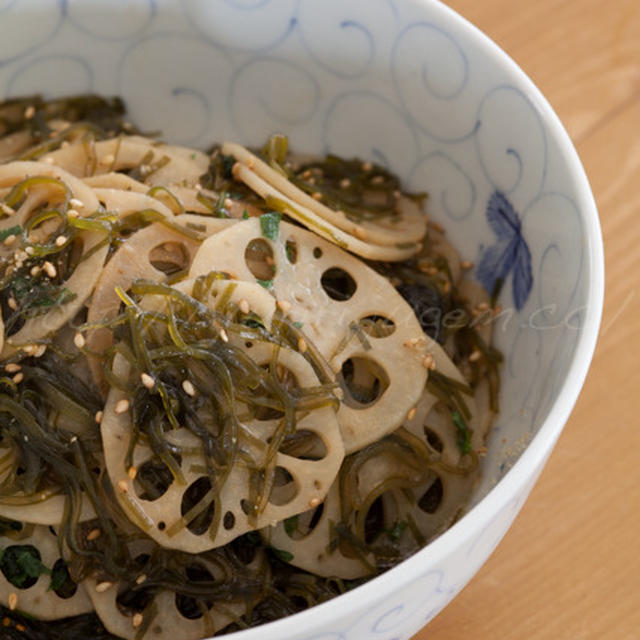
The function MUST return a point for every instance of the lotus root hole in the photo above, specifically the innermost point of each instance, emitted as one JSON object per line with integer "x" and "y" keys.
{"x": 258, "y": 256}
{"x": 317, "y": 253}
{"x": 291, "y": 249}
{"x": 433, "y": 439}
{"x": 377, "y": 326}
{"x": 196, "y": 502}
{"x": 189, "y": 607}
{"x": 169, "y": 257}
{"x": 304, "y": 445}
{"x": 229, "y": 521}
{"x": 153, "y": 479}
{"x": 67, "y": 587}
{"x": 432, "y": 497}
{"x": 284, "y": 489}
{"x": 11, "y": 559}
{"x": 374, "y": 522}
{"x": 338, "y": 284}
{"x": 305, "y": 523}
{"x": 363, "y": 381}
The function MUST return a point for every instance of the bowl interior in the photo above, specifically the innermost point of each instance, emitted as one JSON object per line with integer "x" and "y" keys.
{"x": 404, "y": 84}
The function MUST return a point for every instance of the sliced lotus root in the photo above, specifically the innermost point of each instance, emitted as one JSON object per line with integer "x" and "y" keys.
{"x": 311, "y": 220}
{"x": 165, "y": 615}
{"x": 153, "y": 253}
{"x": 158, "y": 164}
{"x": 408, "y": 226}
{"x": 35, "y": 595}
{"x": 299, "y": 482}
{"x": 336, "y": 298}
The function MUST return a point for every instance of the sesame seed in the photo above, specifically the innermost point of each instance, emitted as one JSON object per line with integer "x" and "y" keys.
{"x": 21, "y": 628}
{"x": 72, "y": 213}
{"x": 13, "y": 305}
{"x": 60, "y": 240}
{"x": 136, "y": 621}
{"x": 188, "y": 388}
{"x": 345, "y": 183}
{"x": 12, "y": 367}
{"x": 377, "y": 180}
{"x": 223, "y": 336}
{"x": 94, "y": 534}
{"x": 132, "y": 472}
{"x": 35, "y": 270}
{"x": 29, "y": 349}
{"x": 29, "y": 251}
{"x": 428, "y": 362}
{"x": 64, "y": 144}
{"x": 147, "y": 380}
{"x": 76, "y": 204}
{"x": 284, "y": 305}
{"x": 302, "y": 345}
{"x": 316, "y": 195}
{"x": 411, "y": 414}
{"x": 122, "y": 406}
{"x": 109, "y": 158}
{"x": 315, "y": 502}
{"x": 101, "y": 587}
{"x": 6, "y": 209}
{"x": 228, "y": 203}
{"x": 79, "y": 340}
{"x": 29, "y": 112}
{"x": 49, "y": 269}
{"x": 141, "y": 578}
{"x": 250, "y": 163}
{"x": 18, "y": 378}
{"x": 366, "y": 166}
{"x": 244, "y": 307}
{"x": 476, "y": 354}
{"x": 466, "y": 264}
{"x": 359, "y": 232}
{"x": 49, "y": 160}
{"x": 40, "y": 350}
{"x": 9, "y": 240}
{"x": 13, "y": 601}
{"x": 123, "y": 486}
{"x": 98, "y": 417}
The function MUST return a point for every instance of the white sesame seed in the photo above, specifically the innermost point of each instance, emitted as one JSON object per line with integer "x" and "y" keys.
{"x": 366, "y": 166}
{"x": 98, "y": 417}
{"x": 49, "y": 160}
{"x": 359, "y": 232}
{"x": 76, "y": 204}
{"x": 476, "y": 354}
{"x": 188, "y": 388}
{"x": 107, "y": 159}
{"x": 94, "y": 534}
{"x": 13, "y": 601}
{"x": 123, "y": 486}
{"x": 466, "y": 264}
{"x": 243, "y": 305}
{"x": 29, "y": 112}
{"x": 132, "y": 472}
{"x": 315, "y": 502}
{"x": 60, "y": 240}
{"x": 141, "y": 578}
{"x": 136, "y": 621}
{"x": 50, "y": 269}
{"x": 79, "y": 340}
{"x": 228, "y": 203}
{"x": 40, "y": 351}
{"x": 13, "y": 305}
{"x": 223, "y": 336}
{"x": 411, "y": 414}
{"x": 316, "y": 195}
{"x": 101, "y": 587}
{"x": 147, "y": 380}
{"x": 122, "y": 406}
{"x": 377, "y": 180}
{"x": 428, "y": 362}
{"x": 9, "y": 240}
{"x": 284, "y": 305}
{"x": 35, "y": 270}
{"x": 6, "y": 209}
{"x": 64, "y": 144}
{"x": 12, "y": 367}
{"x": 302, "y": 345}
{"x": 345, "y": 183}
{"x": 72, "y": 213}
{"x": 29, "y": 251}
{"x": 18, "y": 378}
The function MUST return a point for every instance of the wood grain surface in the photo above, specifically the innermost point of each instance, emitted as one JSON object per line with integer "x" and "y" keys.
{"x": 569, "y": 568}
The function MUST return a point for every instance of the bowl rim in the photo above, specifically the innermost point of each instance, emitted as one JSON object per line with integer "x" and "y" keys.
{"x": 533, "y": 458}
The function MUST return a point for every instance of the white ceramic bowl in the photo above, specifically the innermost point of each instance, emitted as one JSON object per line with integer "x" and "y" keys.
{"x": 411, "y": 85}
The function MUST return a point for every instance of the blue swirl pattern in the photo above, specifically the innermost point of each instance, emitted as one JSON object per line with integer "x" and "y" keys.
{"x": 396, "y": 82}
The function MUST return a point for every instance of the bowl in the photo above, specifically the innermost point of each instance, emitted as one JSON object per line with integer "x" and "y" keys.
{"x": 411, "y": 85}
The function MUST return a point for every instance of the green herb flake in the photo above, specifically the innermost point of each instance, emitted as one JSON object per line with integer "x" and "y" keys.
{"x": 285, "y": 556}
{"x": 395, "y": 532}
{"x": 267, "y": 284}
{"x": 11, "y": 231}
{"x": 245, "y": 215}
{"x": 298, "y": 325}
{"x": 59, "y": 576}
{"x": 464, "y": 433}
{"x": 21, "y": 564}
{"x": 270, "y": 224}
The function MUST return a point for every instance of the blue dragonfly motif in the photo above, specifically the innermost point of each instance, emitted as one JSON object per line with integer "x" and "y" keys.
{"x": 510, "y": 254}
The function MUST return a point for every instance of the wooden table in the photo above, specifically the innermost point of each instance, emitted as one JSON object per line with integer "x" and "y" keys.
{"x": 569, "y": 569}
